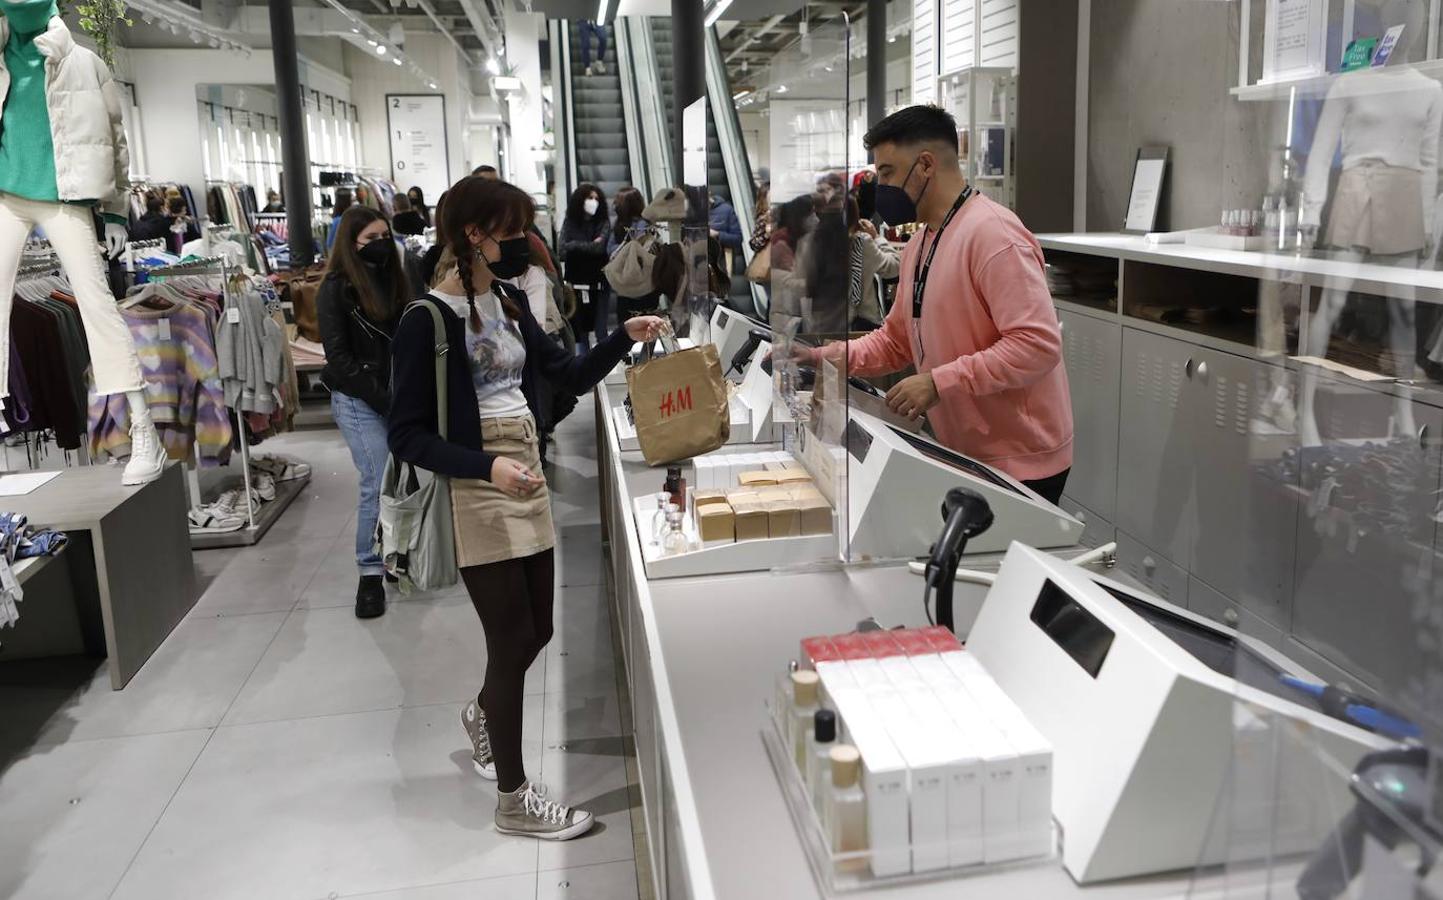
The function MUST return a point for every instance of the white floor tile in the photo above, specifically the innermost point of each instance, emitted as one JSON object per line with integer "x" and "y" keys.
{"x": 510, "y": 887}
{"x": 590, "y": 774}
{"x": 188, "y": 683}
{"x": 75, "y": 814}
{"x": 573, "y": 715}
{"x": 326, "y": 661}
{"x": 608, "y": 881}
{"x": 327, "y": 806}
{"x": 268, "y": 577}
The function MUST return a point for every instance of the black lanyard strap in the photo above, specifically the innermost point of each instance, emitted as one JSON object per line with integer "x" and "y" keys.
{"x": 921, "y": 270}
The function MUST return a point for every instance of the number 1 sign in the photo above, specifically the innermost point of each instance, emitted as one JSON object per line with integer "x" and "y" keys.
{"x": 417, "y": 125}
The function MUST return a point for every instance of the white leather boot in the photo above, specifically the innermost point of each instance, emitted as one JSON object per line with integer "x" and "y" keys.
{"x": 147, "y": 455}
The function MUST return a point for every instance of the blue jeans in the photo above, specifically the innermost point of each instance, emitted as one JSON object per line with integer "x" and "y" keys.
{"x": 584, "y": 31}
{"x": 365, "y": 432}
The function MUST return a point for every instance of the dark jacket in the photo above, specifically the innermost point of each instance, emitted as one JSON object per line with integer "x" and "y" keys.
{"x": 414, "y": 434}
{"x": 723, "y": 220}
{"x": 358, "y": 351}
{"x": 583, "y": 254}
{"x": 408, "y": 222}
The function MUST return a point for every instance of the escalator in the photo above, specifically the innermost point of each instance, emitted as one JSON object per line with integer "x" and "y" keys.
{"x": 716, "y": 173}
{"x": 599, "y": 138}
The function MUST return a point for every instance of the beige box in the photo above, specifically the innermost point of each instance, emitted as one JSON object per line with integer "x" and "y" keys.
{"x": 806, "y": 491}
{"x": 816, "y": 515}
{"x": 793, "y": 476}
{"x": 707, "y": 497}
{"x": 784, "y": 519}
{"x": 752, "y": 522}
{"x": 756, "y": 479}
{"x": 715, "y": 522}
{"x": 743, "y": 498}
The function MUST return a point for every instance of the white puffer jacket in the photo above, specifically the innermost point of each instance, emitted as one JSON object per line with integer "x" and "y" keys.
{"x": 92, "y": 161}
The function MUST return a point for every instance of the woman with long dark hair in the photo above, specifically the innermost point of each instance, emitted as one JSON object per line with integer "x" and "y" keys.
{"x": 583, "y": 253}
{"x": 344, "y": 201}
{"x": 418, "y": 203}
{"x": 501, "y": 507}
{"x": 364, "y": 292}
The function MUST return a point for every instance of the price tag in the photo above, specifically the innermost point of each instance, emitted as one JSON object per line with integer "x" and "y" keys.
{"x": 232, "y": 315}
{"x": 164, "y": 326}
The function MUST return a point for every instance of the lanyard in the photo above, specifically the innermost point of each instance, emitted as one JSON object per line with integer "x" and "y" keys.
{"x": 922, "y": 269}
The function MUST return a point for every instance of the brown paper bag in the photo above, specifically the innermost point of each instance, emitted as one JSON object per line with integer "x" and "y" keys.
{"x": 679, "y": 402}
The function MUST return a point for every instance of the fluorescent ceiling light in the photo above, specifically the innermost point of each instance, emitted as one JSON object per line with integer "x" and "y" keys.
{"x": 601, "y": 12}
{"x": 718, "y": 7}
{"x": 492, "y": 66}
{"x": 431, "y": 85}
{"x": 380, "y": 49}
{"x": 396, "y": 60}
{"x": 506, "y": 83}
{"x": 781, "y": 89}
{"x": 740, "y": 94}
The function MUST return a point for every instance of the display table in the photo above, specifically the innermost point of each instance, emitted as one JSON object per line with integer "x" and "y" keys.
{"x": 701, "y": 656}
{"x": 128, "y": 560}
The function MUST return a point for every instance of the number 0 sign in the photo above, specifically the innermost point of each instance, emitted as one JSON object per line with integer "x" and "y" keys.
{"x": 417, "y": 125}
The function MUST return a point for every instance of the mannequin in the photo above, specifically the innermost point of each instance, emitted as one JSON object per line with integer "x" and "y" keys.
{"x": 63, "y": 152}
{"x": 1387, "y": 121}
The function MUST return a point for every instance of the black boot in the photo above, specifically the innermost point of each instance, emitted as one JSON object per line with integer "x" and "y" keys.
{"x": 370, "y": 597}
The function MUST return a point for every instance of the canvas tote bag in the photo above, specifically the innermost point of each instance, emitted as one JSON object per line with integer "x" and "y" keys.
{"x": 630, "y": 270}
{"x": 414, "y": 531}
{"x": 679, "y": 402}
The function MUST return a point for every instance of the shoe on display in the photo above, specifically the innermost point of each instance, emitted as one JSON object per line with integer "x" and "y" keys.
{"x": 528, "y": 812}
{"x": 233, "y": 501}
{"x": 474, "y": 721}
{"x": 280, "y": 468}
{"x": 147, "y": 456}
{"x": 370, "y": 597}
{"x": 204, "y": 520}
{"x": 265, "y": 486}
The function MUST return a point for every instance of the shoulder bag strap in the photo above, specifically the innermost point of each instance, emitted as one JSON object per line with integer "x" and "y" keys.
{"x": 443, "y": 346}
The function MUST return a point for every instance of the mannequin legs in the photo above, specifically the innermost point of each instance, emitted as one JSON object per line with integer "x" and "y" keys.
{"x": 116, "y": 369}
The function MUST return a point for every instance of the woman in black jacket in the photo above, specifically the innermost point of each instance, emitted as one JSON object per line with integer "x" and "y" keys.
{"x": 583, "y": 253}
{"x": 357, "y": 307}
{"x": 497, "y": 354}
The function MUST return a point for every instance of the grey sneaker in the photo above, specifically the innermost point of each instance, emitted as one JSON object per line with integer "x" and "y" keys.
{"x": 474, "y": 721}
{"x": 530, "y": 813}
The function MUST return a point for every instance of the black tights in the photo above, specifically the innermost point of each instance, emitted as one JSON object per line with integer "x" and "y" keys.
{"x": 513, "y": 598}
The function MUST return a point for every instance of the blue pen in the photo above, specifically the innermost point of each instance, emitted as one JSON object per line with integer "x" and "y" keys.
{"x": 1359, "y": 710}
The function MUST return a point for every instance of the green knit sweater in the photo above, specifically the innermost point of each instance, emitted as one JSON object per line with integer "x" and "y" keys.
{"x": 27, "y": 154}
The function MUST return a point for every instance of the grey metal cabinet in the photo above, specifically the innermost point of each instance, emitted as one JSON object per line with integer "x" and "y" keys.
{"x": 1091, "y": 351}
{"x": 1096, "y": 529}
{"x": 1242, "y": 489}
{"x": 1151, "y": 569}
{"x": 1156, "y": 445}
{"x": 1367, "y": 554}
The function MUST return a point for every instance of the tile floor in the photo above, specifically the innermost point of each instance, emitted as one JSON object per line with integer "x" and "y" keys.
{"x": 277, "y": 747}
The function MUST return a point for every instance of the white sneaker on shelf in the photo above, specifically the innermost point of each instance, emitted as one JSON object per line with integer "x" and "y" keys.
{"x": 147, "y": 455}
{"x": 280, "y": 468}
{"x": 265, "y": 486}
{"x": 205, "y": 520}
{"x": 233, "y": 501}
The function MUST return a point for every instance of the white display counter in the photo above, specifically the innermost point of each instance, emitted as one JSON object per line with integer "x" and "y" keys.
{"x": 701, "y": 655}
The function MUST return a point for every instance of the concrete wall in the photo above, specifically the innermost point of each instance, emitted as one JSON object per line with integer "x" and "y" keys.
{"x": 1046, "y": 115}
{"x": 1159, "y": 73}
{"x": 373, "y": 78}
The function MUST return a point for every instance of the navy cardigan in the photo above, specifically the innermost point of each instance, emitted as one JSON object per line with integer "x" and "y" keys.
{"x": 413, "y": 433}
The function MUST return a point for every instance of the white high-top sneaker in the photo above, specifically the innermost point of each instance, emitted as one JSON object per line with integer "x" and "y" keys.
{"x": 147, "y": 455}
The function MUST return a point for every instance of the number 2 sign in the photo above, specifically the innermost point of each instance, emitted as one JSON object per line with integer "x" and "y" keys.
{"x": 417, "y": 128}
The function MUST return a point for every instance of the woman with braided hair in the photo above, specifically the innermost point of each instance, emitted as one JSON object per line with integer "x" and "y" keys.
{"x": 502, "y": 510}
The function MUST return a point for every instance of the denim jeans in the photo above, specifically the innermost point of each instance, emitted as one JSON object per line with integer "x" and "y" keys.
{"x": 365, "y": 432}
{"x": 584, "y": 31}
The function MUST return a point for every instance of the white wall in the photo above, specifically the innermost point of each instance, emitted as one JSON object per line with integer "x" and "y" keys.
{"x": 372, "y": 78}
{"x": 165, "y": 94}
{"x": 525, "y": 109}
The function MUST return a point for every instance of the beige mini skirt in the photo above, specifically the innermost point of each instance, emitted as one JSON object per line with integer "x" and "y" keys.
{"x": 1378, "y": 208}
{"x": 490, "y": 525}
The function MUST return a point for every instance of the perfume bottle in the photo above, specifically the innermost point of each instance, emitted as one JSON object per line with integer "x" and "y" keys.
{"x": 675, "y": 541}
{"x": 820, "y": 741}
{"x": 659, "y": 523}
{"x": 804, "y": 708}
{"x": 782, "y": 699}
{"x": 676, "y": 487}
{"x": 847, "y": 805}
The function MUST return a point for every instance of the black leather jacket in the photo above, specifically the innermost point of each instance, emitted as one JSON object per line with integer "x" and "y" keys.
{"x": 358, "y": 351}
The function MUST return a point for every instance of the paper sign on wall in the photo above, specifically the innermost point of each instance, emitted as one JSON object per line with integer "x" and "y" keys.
{"x": 417, "y": 125}
{"x": 1295, "y": 39}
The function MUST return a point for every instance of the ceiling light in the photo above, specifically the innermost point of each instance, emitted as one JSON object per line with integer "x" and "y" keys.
{"x": 781, "y": 89}
{"x": 601, "y": 12}
{"x": 355, "y": 31}
{"x": 371, "y": 42}
{"x": 718, "y": 7}
{"x": 492, "y": 66}
{"x": 380, "y": 49}
{"x": 891, "y": 39}
{"x": 431, "y": 85}
{"x": 396, "y": 60}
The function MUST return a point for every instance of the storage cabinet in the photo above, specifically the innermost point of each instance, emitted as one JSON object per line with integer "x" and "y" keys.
{"x": 1152, "y": 570}
{"x": 1097, "y": 530}
{"x": 1091, "y": 351}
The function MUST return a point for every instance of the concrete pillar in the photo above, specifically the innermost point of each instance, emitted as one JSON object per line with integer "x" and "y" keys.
{"x": 294, "y": 155}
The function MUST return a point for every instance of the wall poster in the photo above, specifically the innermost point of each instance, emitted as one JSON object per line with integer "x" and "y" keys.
{"x": 1295, "y": 39}
{"x": 417, "y": 126}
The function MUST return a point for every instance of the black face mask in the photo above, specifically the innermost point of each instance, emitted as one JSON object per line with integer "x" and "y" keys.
{"x": 515, "y": 258}
{"x": 378, "y": 254}
{"x": 895, "y": 205}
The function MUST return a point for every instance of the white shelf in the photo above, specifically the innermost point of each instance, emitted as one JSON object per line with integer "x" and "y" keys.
{"x": 1314, "y": 85}
{"x": 721, "y": 558}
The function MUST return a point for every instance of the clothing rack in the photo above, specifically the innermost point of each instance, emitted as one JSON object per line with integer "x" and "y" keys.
{"x": 286, "y": 492}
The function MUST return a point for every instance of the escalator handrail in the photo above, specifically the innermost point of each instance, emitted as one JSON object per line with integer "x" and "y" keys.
{"x": 630, "y": 104}
{"x": 733, "y": 149}
{"x": 562, "y": 42}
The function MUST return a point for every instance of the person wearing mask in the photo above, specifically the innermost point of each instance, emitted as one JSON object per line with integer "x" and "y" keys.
{"x": 972, "y": 314}
{"x": 725, "y": 226}
{"x": 870, "y": 255}
{"x": 417, "y": 198}
{"x": 406, "y": 220}
{"x": 820, "y": 276}
{"x": 583, "y": 254}
{"x": 154, "y": 225}
{"x": 357, "y": 306}
{"x": 273, "y": 203}
{"x": 431, "y": 259}
{"x": 344, "y": 201}
{"x": 501, "y": 508}
{"x": 629, "y": 225}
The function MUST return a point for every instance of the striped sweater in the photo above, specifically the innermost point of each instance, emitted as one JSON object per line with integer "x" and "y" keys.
{"x": 177, "y": 355}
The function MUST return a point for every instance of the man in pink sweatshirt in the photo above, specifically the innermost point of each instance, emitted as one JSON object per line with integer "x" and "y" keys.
{"x": 972, "y": 312}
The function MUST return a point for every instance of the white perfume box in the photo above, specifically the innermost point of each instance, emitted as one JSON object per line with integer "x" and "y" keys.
{"x": 1001, "y": 786}
{"x": 884, "y": 782}
{"x": 926, "y": 782}
{"x": 963, "y": 772}
{"x": 1034, "y": 834}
